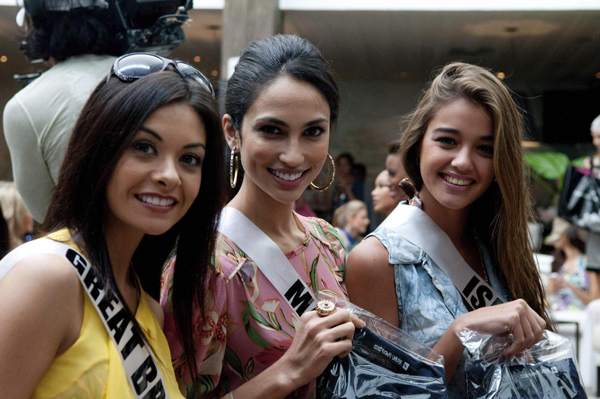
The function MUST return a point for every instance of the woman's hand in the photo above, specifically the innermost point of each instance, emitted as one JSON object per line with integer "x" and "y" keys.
{"x": 555, "y": 283}
{"x": 515, "y": 317}
{"x": 317, "y": 341}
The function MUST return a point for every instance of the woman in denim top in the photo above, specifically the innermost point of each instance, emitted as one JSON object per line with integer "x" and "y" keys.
{"x": 462, "y": 151}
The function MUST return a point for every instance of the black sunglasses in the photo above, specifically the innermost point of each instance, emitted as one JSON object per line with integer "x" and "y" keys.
{"x": 131, "y": 67}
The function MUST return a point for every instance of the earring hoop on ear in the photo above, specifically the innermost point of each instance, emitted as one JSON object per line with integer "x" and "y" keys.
{"x": 331, "y": 176}
{"x": 233, "y": 172}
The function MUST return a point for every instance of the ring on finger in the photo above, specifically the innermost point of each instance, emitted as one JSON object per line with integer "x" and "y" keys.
{"x": 325, "y": 308}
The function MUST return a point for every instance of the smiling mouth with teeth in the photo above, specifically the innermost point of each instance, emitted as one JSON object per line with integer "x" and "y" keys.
{"x": 286, "y": 176}
{"x": 457, "y": 182}
{"x": 155, "y": 200}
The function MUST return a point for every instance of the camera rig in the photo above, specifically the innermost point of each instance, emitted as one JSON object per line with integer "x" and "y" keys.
{"x": 153, "y": 26}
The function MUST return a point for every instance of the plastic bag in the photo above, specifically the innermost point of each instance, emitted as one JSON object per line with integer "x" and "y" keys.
{"x": 384, "y": 363}
{"x": 547, "y": 370}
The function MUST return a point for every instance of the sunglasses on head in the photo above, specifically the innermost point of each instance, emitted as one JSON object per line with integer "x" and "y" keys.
{"x": 131, "y": 67}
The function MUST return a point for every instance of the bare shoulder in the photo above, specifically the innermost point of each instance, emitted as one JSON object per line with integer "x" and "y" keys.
{"x": 370, "y": 280}
{"x": 368, "y": 255}
{"x": 37, "y": 276}
{"x": 157, "y": 310}
{"x": 42, "y": 314}
{"x": 44, "y": 285}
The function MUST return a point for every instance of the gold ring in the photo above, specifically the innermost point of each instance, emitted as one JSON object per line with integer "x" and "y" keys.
{"x": 325, "y": 308}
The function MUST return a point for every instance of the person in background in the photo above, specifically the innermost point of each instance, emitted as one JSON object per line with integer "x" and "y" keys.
{"x": 592, "y": 251}
{"x": 77, "y": 40}
{"x": 396, "y": 173}
{"x": 141, "y": 182}
{"x": 570, "y": 286}
{"x": 18, "y": 219}
{"x": 348, "y": 187}
{"x": 383, "y": 201}
{"x": 592, "y": 246}
{"x": 4, "y": 238}
{"x": 462, "y": 152}
{"x": 351, "y": 220}
{"x": 302, "y": 207}
{"x": 249, "y": 340}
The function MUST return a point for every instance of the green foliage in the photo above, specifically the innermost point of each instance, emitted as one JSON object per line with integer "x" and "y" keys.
{"x": 548, "y": 165}
{"x": 579, "y": 161}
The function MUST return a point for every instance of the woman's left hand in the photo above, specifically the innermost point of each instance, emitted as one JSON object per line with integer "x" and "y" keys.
{"x": 515, "y": 317}
{"x": 556, "y": 283}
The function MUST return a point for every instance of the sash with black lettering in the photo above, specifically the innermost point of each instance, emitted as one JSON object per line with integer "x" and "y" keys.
{"x": 415, "y": 226}
{"x": 269, "y": 258}
{"x": 140, "y": 365}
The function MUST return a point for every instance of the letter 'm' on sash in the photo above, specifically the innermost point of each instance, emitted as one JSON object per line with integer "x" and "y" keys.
{"x": 269, "y": 258}
{"x": 299, "y": 298}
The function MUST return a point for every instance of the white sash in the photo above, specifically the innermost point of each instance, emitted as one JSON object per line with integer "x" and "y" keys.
{"x": 415, "y": 226}
{"x": 143, "y": 374}
{"x": 269, "y": 258}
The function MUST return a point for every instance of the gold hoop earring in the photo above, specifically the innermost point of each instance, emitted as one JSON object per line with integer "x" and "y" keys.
{"x": 331, "y": 176}
{"x": 233, "y": 172}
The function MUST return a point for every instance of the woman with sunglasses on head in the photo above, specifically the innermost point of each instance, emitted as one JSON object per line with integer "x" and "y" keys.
{"x": 462, "y": 151}
{"x": 251, "y": 339}
{"x": 140, "y": 183}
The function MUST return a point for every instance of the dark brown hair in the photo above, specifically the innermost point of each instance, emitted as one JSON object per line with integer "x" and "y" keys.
{"x": 107, "y": 125}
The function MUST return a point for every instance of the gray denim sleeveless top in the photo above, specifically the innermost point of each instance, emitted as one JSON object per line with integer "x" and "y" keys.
{"x": 428, "y": 301}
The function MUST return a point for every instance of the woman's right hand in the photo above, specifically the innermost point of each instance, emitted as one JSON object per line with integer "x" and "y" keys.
{"x": 515, "y": 317}
{"x": 317, "y": 341}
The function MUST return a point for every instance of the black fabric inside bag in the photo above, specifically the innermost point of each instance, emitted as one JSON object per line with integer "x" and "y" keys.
{"x": 544, "y": 380}
{"x": 378, "y": 368}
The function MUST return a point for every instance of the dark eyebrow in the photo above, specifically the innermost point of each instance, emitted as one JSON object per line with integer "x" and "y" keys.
{"x": 316, "y": 122}
{"x": 159, "y": 138}
{"x": 152, "y": 132}
{"x": 455, "y": 131}
{"x": 282, "y": 123}
{"x": 194, "y": 145}
{"x": 273, "y": 120}
{"x": 446, "y": 130}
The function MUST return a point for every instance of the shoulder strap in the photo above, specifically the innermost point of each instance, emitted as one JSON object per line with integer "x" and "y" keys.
{"x": 143, "y": 374}
{"x": 412, "y": 224}
{"x": 269, "y": 258}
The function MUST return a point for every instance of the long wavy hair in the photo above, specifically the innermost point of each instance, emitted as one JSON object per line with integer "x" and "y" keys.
{"x": 501, "y": 214}
{"x": 107, "y": 125}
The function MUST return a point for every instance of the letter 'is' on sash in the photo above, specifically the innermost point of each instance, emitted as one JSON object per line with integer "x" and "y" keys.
{"x": 415, "y": 226}
{"x": 269, "y": 258}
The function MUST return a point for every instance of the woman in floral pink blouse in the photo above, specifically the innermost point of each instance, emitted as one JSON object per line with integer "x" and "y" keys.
{"x": 248, "y": 342}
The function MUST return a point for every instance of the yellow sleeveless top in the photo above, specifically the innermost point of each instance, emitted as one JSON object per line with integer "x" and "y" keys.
{"x": 91, "y": 368}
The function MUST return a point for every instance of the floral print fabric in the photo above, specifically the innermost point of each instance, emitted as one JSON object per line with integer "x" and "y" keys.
{"x": 248, "y": 325}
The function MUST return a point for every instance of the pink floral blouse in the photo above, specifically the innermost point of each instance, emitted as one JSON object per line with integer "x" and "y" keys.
{"x": 248, "y": 324}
